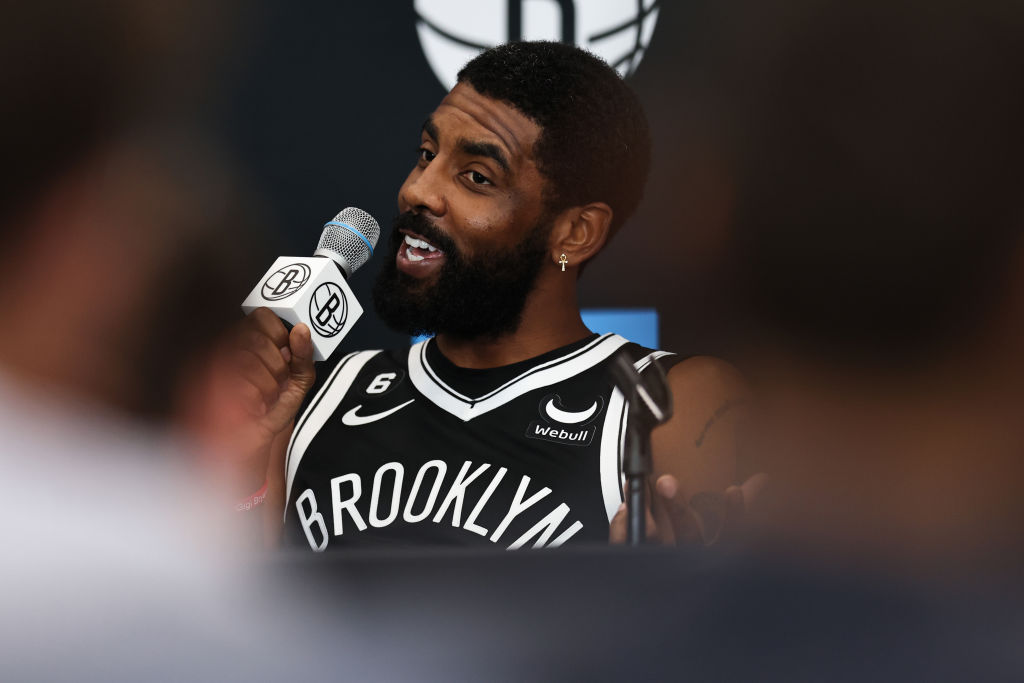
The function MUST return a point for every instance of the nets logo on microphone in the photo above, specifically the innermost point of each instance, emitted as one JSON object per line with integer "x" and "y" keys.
{"x": 328, "y": 309}
{"x": 284, "y": 282}
{"x": 452, "y": 32}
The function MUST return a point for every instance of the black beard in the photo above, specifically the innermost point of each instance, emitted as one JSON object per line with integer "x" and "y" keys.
{"x": 482, "y": 298}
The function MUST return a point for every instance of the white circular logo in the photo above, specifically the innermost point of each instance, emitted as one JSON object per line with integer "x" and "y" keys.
{"x": 452, "y": 32}
{"x": 328, "y": 309}
{"x": 286, "y": 281}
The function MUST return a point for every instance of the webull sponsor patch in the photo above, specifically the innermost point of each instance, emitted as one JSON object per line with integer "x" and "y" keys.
{"x": 574, "y": 436}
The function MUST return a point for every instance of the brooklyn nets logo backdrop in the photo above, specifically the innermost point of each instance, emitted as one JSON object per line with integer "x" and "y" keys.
{"x": 452, "y": 32}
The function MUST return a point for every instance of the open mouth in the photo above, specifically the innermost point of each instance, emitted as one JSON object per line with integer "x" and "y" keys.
{"x": 417, "y": 256}
{"x": 417, "y": 249}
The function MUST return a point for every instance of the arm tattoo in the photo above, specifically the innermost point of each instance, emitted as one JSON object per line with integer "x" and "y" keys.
{"x": 715, "y": 417}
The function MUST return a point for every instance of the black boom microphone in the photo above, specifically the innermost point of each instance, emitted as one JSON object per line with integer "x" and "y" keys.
{"x": 650, "y": 404}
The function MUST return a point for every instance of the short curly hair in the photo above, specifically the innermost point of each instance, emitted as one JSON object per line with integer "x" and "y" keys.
{"x": 594, "y": 143}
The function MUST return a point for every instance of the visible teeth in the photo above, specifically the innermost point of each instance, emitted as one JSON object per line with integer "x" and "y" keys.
{"x": 411, "y": 256}
{"x": 419, "y": 244}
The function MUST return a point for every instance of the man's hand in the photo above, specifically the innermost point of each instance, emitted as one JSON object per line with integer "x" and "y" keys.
{"x": 254, "y": 386}
{"x": 709, "y": 516}
{"x": 694, "y": 458}
{"x": 275, "y": 370}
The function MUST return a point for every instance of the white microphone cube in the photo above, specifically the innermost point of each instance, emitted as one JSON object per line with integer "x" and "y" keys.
{"x": 310, "y": 290}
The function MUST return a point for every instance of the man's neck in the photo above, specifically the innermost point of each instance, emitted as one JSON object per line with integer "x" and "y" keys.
{"x": 551, "y": 319}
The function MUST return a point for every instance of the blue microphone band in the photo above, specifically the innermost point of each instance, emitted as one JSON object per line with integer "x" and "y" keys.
{"x": 354, "y": 232}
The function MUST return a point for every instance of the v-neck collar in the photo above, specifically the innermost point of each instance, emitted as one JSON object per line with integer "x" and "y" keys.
{"x": 467, "y": 393}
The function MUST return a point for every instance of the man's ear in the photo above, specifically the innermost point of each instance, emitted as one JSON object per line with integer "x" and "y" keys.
{"x": 580, "y": 233}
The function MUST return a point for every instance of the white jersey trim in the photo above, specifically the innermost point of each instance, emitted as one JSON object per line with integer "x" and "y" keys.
{"x": 645, "y": 362}
{"x": 319, "y": 411}
{"x": 613, "y": 436}
{"x": 428, "y": 383}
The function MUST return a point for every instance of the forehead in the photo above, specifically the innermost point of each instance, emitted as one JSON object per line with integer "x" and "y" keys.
{"x": 467, "y": 114}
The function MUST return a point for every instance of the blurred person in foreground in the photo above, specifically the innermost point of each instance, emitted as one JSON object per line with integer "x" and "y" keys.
{"x": 115, "y": 562}
{"x": 878, "y": 222}
{"x": 876, "y": 211}
{"x": 505, "y": 427}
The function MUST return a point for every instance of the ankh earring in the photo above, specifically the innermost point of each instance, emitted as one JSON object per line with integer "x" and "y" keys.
{"x": 562, "y": 260}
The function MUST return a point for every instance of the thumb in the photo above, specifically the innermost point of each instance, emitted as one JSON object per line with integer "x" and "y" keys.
{"x": 752, "y": 489}
{"x": 300, "y": 343}
{"x": 742, "y": 501}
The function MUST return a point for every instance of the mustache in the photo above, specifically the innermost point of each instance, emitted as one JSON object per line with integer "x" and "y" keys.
{"x": 421, "y": 225}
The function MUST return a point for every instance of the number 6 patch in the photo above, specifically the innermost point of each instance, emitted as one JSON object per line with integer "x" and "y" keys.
{"x": 384, "y": 382}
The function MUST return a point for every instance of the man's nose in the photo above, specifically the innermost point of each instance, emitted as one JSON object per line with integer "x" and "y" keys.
{"x": 425, "y": 192}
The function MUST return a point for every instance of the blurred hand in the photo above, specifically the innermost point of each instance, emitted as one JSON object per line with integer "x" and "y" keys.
{"x": 254, "y": 386}
{"x": 275, "y": 370}
{"x": 706, "y": 518}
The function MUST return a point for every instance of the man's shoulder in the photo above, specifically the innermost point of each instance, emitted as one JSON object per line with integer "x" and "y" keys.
{"x": 688, "y": 372}
{"x": 708, "y": 377}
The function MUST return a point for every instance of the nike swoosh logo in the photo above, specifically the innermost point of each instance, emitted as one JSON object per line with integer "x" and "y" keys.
{"x": 566, "y": 417}
{"x": 350, "y": 419}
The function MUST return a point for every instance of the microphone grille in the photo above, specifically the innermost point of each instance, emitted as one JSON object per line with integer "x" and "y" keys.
{"x": 349, "y": 239}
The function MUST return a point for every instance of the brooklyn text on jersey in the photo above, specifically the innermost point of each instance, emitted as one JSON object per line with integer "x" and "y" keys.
{"x": 401, "y": 448}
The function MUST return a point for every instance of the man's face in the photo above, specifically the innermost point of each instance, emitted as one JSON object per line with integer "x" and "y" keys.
{"x": 472, "y": 231}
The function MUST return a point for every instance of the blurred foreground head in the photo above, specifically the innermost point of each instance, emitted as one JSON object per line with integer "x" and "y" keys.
{"x": 109, "y": 210}
{"x": 878, "y": 192}
{"x": 875, "y": 151}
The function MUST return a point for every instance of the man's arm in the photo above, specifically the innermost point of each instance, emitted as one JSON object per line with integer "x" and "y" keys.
{"x": 276, "y": 480}
{"x": 695, "y": 454}
{"x": 245, "y": 409}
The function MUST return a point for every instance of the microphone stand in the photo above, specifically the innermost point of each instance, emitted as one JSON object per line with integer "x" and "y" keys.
{"x": 650, "y": 404}
{"x": 636, "y": 466}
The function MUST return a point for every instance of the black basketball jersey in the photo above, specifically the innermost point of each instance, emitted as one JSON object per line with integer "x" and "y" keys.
{"x": 400, "y": 448}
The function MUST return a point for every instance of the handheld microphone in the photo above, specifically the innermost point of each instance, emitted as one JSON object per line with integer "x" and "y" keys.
{"x": 314, "y": 289}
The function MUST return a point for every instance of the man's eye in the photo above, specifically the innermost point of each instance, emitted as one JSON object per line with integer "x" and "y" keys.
{"x": 479, "y": 178}
{"x": 425, "y": 154}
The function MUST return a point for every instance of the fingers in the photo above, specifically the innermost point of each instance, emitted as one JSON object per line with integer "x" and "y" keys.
{"x": 265, "y": 352}
{"x": 675, "y": 515}
{"x": 274, "y": 367}
{"x": 709, "y": 511}
{"x": 618, "y": 528}
{"x": 741, "y": 501}
{"x": 706, "y": 517}
{"x": 735, "y": 508}
{"x": 263, "y": 320}
{"x": 752, "y": 488}
{"x": 256, "y": 375}
{"x": 262, "y": 367}
{"x": 301, "y": 375}
{"x": 701, "y": 519}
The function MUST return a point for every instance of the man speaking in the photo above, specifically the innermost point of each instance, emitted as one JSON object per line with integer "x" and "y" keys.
{"x": 505, "y": 429}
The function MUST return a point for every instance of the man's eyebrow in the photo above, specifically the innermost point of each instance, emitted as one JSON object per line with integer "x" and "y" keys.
{"x": 431, "y": 129}
{"x": 485, "y": 149}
